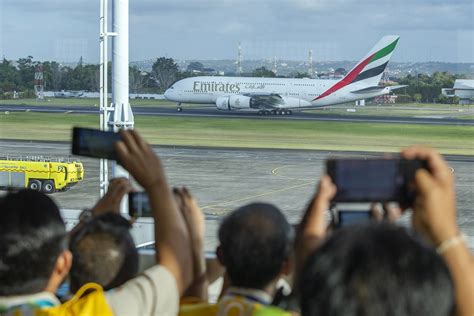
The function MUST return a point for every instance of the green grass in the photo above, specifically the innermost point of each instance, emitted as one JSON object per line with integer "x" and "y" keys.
{"x": 252, "y": 133}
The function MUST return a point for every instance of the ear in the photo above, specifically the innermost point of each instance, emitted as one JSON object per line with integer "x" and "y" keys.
{"x": 60, "y": 271}
{"x": 219, "y": 255}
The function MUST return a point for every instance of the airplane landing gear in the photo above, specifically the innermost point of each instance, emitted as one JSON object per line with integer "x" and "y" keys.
{"x": 179, "y": 108}
{"x": 275, "y": 112}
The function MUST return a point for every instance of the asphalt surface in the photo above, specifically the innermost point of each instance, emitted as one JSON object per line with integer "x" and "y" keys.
{"x": 224, "y": 179}
{"x": 210, "y": 112}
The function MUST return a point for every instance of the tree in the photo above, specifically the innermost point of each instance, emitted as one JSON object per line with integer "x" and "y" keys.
{"x": 137, "y": 79}
{"x": 263, "y": 72}
{"x": 9, "y": 77}
{"x": 165, "y": 72}
{"x": 195, "y": 66}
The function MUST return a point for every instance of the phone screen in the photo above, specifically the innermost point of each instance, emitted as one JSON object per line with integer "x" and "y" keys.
{"x": 94, "y": 143}
{"x": 352, "y": 217}
{"x": 139, "y": 205}
{"x": 369, "y": 180}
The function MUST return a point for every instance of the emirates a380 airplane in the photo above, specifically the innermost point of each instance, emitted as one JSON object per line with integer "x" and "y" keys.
{"x": 282, "y": 95}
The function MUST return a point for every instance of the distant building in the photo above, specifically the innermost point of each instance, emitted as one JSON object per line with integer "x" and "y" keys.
{"x": 463, "y": 89}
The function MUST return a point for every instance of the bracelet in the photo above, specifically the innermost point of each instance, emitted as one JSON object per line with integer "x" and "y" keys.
{"x": 450, "y": 242}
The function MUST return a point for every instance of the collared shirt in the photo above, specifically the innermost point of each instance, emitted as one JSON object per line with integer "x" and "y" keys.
{"x": 254, "y": 295}
{"x": 27, "y": 302}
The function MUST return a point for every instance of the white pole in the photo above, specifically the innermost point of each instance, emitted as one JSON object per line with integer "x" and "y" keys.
{"x": 103, "y": 99}
{"x": 122, "y": 112}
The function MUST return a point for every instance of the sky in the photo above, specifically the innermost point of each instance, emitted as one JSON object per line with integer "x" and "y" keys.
{"x": 65, "y": 30}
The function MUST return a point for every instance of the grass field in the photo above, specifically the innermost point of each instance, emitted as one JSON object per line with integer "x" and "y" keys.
{"x": 252, "y": 133}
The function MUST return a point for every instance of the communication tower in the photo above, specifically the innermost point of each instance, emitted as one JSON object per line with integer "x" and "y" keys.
{"x": 239, "y": 60}
{"x": 310, "y": 64}
{"x": 39, "y": 82}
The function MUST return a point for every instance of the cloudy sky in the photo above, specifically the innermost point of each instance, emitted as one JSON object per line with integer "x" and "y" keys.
{"x": 64, "y": 30}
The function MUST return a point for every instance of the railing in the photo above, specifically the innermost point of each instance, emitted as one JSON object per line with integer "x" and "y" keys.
{"x": 39, "y": 158}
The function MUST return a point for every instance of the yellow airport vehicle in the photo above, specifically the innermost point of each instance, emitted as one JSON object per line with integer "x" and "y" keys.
{"x": 40, "y": 173}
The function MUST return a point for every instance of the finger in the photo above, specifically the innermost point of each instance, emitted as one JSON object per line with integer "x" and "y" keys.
{"x": 123, "y": 154}
{"x": 129, "y": 140}
{"x": 423, "y": 181}
{"x": 436, "y": 163}
{"x": 376, "y": 212}
{"x": 391, "y": 213}
{"x": 142, "y": 144}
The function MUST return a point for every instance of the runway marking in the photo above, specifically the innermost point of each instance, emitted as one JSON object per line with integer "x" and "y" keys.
{"x": 256, "y": 196}
{"x": 275, "y": 173}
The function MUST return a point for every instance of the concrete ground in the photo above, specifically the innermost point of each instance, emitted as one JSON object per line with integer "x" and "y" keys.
{"x": 224, "y": 179}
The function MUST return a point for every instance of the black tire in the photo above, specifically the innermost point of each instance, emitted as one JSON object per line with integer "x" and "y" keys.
{"x": 179, "y": 109}
{"x": 48, "y": 187}
{"x": 34, "y": 185}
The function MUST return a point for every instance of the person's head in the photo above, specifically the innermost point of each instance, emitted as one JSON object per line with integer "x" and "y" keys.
{"x": 104, "y": 253}
{"x": 33, "y": 244}
{"x": 375, "y": 269}
{"x": 255, "y": 244}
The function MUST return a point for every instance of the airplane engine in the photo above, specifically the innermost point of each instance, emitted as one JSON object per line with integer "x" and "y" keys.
{"x": 233, "y": 102}
{"x": 222, "y": 104}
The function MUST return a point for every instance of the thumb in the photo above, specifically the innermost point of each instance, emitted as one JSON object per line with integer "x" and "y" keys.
{"x": 424, "y": 181}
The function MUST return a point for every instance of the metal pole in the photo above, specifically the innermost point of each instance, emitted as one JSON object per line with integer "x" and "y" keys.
{"x": 122, "y": 112}
{"x": 104, "y": 176}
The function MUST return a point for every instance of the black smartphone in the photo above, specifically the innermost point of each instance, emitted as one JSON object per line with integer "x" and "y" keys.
{"x": 139, "y": 205}
{"x": 374, "y": 180}
{"x": 94, "y": 143}
{"x": 345, "y": 218}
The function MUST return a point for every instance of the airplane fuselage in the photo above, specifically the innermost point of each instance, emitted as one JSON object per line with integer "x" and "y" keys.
{"x": 300, "y": 93}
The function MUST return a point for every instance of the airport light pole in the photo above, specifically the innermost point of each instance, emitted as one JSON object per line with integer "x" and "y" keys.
{"x": 119, "y": 115}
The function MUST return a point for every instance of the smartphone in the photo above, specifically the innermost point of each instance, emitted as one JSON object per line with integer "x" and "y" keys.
{"x": 139, "y": 205}
{"x": 374, "y": 180}
{"x": 94, "y": 143}
{"x": 345, "y": 218}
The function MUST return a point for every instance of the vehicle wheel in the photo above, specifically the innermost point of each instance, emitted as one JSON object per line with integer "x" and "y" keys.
{"x": 273, "y": 112}
{"x": 260, "y": 112}
{"x": 34, "y": 185}
{"x": 48, "y": 186}
{"x": 290, "y": 112}
{"x": 179, "y": 109}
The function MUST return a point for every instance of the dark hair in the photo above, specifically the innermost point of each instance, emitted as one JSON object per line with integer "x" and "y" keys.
{"x": 375, "y": 269}
{"x": 103, "y": 252}
{"x": 32, "y": 236}
{"x": 255, "y": 240}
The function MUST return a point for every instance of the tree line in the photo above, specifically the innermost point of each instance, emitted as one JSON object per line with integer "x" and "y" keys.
{"x": 20, "y": 77}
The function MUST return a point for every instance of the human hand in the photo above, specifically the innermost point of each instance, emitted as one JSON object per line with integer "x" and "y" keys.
{"x": 385, "y": 211}
{"x": 194, "y": 219}
{"x": 110, "y": 202}
{"x": 192, "y": 214}
{"x": 137, "y": 156}
{"x": 313, "y": 227}
{"x": 434, "y": 209}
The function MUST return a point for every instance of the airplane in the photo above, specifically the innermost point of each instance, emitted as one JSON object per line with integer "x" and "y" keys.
{"x": 279, "y": 96}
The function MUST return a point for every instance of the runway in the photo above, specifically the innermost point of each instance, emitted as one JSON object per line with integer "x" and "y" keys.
{"x": 210, "y": 112}
{"x": 224, "y": 179}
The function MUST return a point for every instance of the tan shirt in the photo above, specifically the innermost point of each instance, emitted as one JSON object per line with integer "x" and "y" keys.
{"x": 154, "y": 292}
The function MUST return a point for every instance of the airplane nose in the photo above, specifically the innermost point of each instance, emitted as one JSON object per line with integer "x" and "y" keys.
{"x": 167, "y": 94}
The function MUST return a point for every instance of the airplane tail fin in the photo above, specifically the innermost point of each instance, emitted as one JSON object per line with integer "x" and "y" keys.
{"x": 369, "y": 70}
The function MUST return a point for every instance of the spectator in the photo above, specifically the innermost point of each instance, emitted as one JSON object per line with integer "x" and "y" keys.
{"x": 434, "y": 217}
{"x": 375, "y": 269}
{"x": 255, "y": 248}
{"x": 33, "y": 251}
{"x": 34, "y": 258}
{"x": 104, "y": 253}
